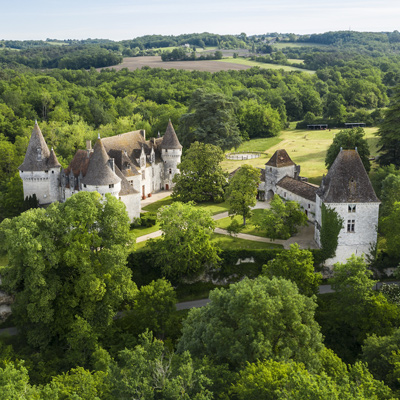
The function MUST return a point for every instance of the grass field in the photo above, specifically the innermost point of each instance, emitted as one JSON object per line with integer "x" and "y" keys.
{"x": 283, "y": 45}
{"x": 250, "y": 227}
{"x": 307, "y": 148}
{"x": 244, "y": 61}
{"x": 227, "y": 242}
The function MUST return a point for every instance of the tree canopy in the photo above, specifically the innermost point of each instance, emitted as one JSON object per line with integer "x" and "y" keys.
{"x": 254, "y": 319}
{"x": 201, "y": 177}
{"x": 185, "y": 247}
{"x": 67, "y": 267}
{"x": 349, "y": 139}
{"x": 242, "y": 191}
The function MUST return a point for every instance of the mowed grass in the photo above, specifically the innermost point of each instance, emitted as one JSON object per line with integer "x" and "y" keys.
{"x": 306, "y": 148}
{"x": 213, "y": 208}
{"x": 226, "y": 242}
{"x": 250, "y": 228}
{"x": 244, "y": 61}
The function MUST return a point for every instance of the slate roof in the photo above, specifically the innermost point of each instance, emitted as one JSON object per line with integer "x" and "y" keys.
{"x": 99, "y": 172}
{"x": 126, "y": 187}
{"x": 170, "y": 140}
{"x": 280, "y": 159}
{"x": 303, "y": 189}
{"x": 53, "y": 162}
{"x": 79, "y": 163}
{"x": 347, "y": 181}
{"x": 31, "y": 161}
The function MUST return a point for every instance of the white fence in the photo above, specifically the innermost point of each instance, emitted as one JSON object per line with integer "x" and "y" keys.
{"x": 243, "y": 156}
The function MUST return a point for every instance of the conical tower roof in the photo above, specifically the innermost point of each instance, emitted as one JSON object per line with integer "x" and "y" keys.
{"x": 53, "y": 162}
{"x": 38, "y": 153}
{"x": 170, "y": 140}
{"x": 347, "y": 181}
{"x": 280, "y": 159}
{"x": 99, "y": 172}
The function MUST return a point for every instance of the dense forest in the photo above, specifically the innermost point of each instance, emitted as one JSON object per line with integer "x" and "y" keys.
{"x": 340, "y": 345}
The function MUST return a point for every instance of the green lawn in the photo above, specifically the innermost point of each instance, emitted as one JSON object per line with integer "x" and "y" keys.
{"x": 213, "y": 208}
{"x": 226, "y": 242}
{"x": 244, "y": 61}
{"x": 250, "y": 227}
{"x": 283, "y": 45}
{"x": 141, "y": 230}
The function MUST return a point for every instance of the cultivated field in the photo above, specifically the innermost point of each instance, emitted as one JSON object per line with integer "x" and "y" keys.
{"x": 133, "y": 63}
{"x": 307, "y": 148}
{"x": 225, "y": 64}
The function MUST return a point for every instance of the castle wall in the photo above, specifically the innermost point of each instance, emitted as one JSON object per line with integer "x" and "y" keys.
{"x": 38, "y": 183}
{"x": 103, "y": 189}
{"x": 359, "y": 232}
{"x": 273, "y": 175}
{"x": 132, "y": 204}
{"x": 54, "y": 184}
{"x": 171, "y": 158}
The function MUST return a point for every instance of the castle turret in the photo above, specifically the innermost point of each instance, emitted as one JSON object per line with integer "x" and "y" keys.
{"x": 278, "y": 166}
{"x": 347, "y": 189}
{"x": 40, "y": 171}
{"x": 171, "y": 152}
{"x": 100, "y": 175}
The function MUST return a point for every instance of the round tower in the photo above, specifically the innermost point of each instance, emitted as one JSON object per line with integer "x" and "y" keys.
{"x": 171, "y": 152}
{"x": 40, "y": 171}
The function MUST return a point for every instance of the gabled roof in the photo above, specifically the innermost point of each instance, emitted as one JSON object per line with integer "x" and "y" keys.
{"x": 280, "y": 159}
{"x": 302, "y": 189}
{"x": 170, "y": 140}
{"x": 99, "y": 172}
{"x": 126, "y": 188}
{"x": 37, "y": 146}
{"x": 347, "y": 181}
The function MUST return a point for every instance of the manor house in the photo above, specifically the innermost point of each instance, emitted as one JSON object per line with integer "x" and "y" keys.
{"x": 346, "y": 189}
{"x": 127, "y": 166}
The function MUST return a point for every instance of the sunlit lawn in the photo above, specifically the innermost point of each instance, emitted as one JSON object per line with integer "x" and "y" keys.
{"x": 141, "y": 230}
{"x": 250, "y": 227}
{"x": 305, "y": 147}
{"x": 244, "y": 61}
{"x": 227, "y": 242}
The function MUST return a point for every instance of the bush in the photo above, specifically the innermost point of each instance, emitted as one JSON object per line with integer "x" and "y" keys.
{"x": 148, "y": 219}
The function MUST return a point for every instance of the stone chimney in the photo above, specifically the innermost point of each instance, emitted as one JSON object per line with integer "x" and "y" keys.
{"x": 88, "y": 147}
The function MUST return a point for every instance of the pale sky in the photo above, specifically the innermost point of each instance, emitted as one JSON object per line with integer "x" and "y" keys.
{"x": 123, "y": 19}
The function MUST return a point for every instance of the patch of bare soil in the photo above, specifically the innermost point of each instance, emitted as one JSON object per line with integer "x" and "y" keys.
{"x": 133, "y": 63}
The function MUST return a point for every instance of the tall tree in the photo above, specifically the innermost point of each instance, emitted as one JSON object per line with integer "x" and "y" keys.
{"x": 201, "y": 177}
{"x": 211, "y": 120}
{"x": 283, "y": 219}
{"x": 242, "y": 191}
{"x": 254, "y": 319}
{"x": 389, "y": 134}
{"x": 349, "y": 139}
{"x": 185, "y": 247}
{"x": 297, "y": 266}
{"x": 67, "y": 268}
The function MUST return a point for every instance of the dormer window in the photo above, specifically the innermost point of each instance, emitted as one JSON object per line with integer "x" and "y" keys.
{"x": 351, "y": 208}
{"x": 111, "y": 186}
{"x": 39, "y": 154}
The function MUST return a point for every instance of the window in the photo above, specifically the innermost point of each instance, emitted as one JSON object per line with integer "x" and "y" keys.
{"x": 284, "y": 194}
{"x": 111, "y": 186}
{"x": 84, "y": 185}
{"x": 352, "y": 208}
{"x": 131, "y": 182}
{"x": 309, "y": 205}
{"x": 170, "y": 171}
{"x": 350, "y": 225}
{"x": 52, "y": 172}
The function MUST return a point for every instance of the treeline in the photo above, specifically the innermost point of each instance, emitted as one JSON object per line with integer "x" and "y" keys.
{"x": 70, "y": 57}
{"x": 182, "y": 54}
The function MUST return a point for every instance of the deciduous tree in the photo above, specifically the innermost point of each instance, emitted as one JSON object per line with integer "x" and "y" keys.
{"x": 242, "y": 191}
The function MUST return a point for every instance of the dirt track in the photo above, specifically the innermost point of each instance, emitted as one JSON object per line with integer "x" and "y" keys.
{"x": 133, "y": 63}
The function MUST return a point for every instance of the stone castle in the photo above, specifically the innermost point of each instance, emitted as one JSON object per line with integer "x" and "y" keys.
{"x": 127, "y": 166}
{"x": 346, "y": 189}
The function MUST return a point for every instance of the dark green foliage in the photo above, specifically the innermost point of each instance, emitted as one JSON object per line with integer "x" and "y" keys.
{"x": 201, "y": 178}
{"x": 389, "y": 134}
{"x": 331, "y": 224}
{"x": 211, "y": 120}
{"x": 349, "y": 139}
{"x": 148, "y": 219}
